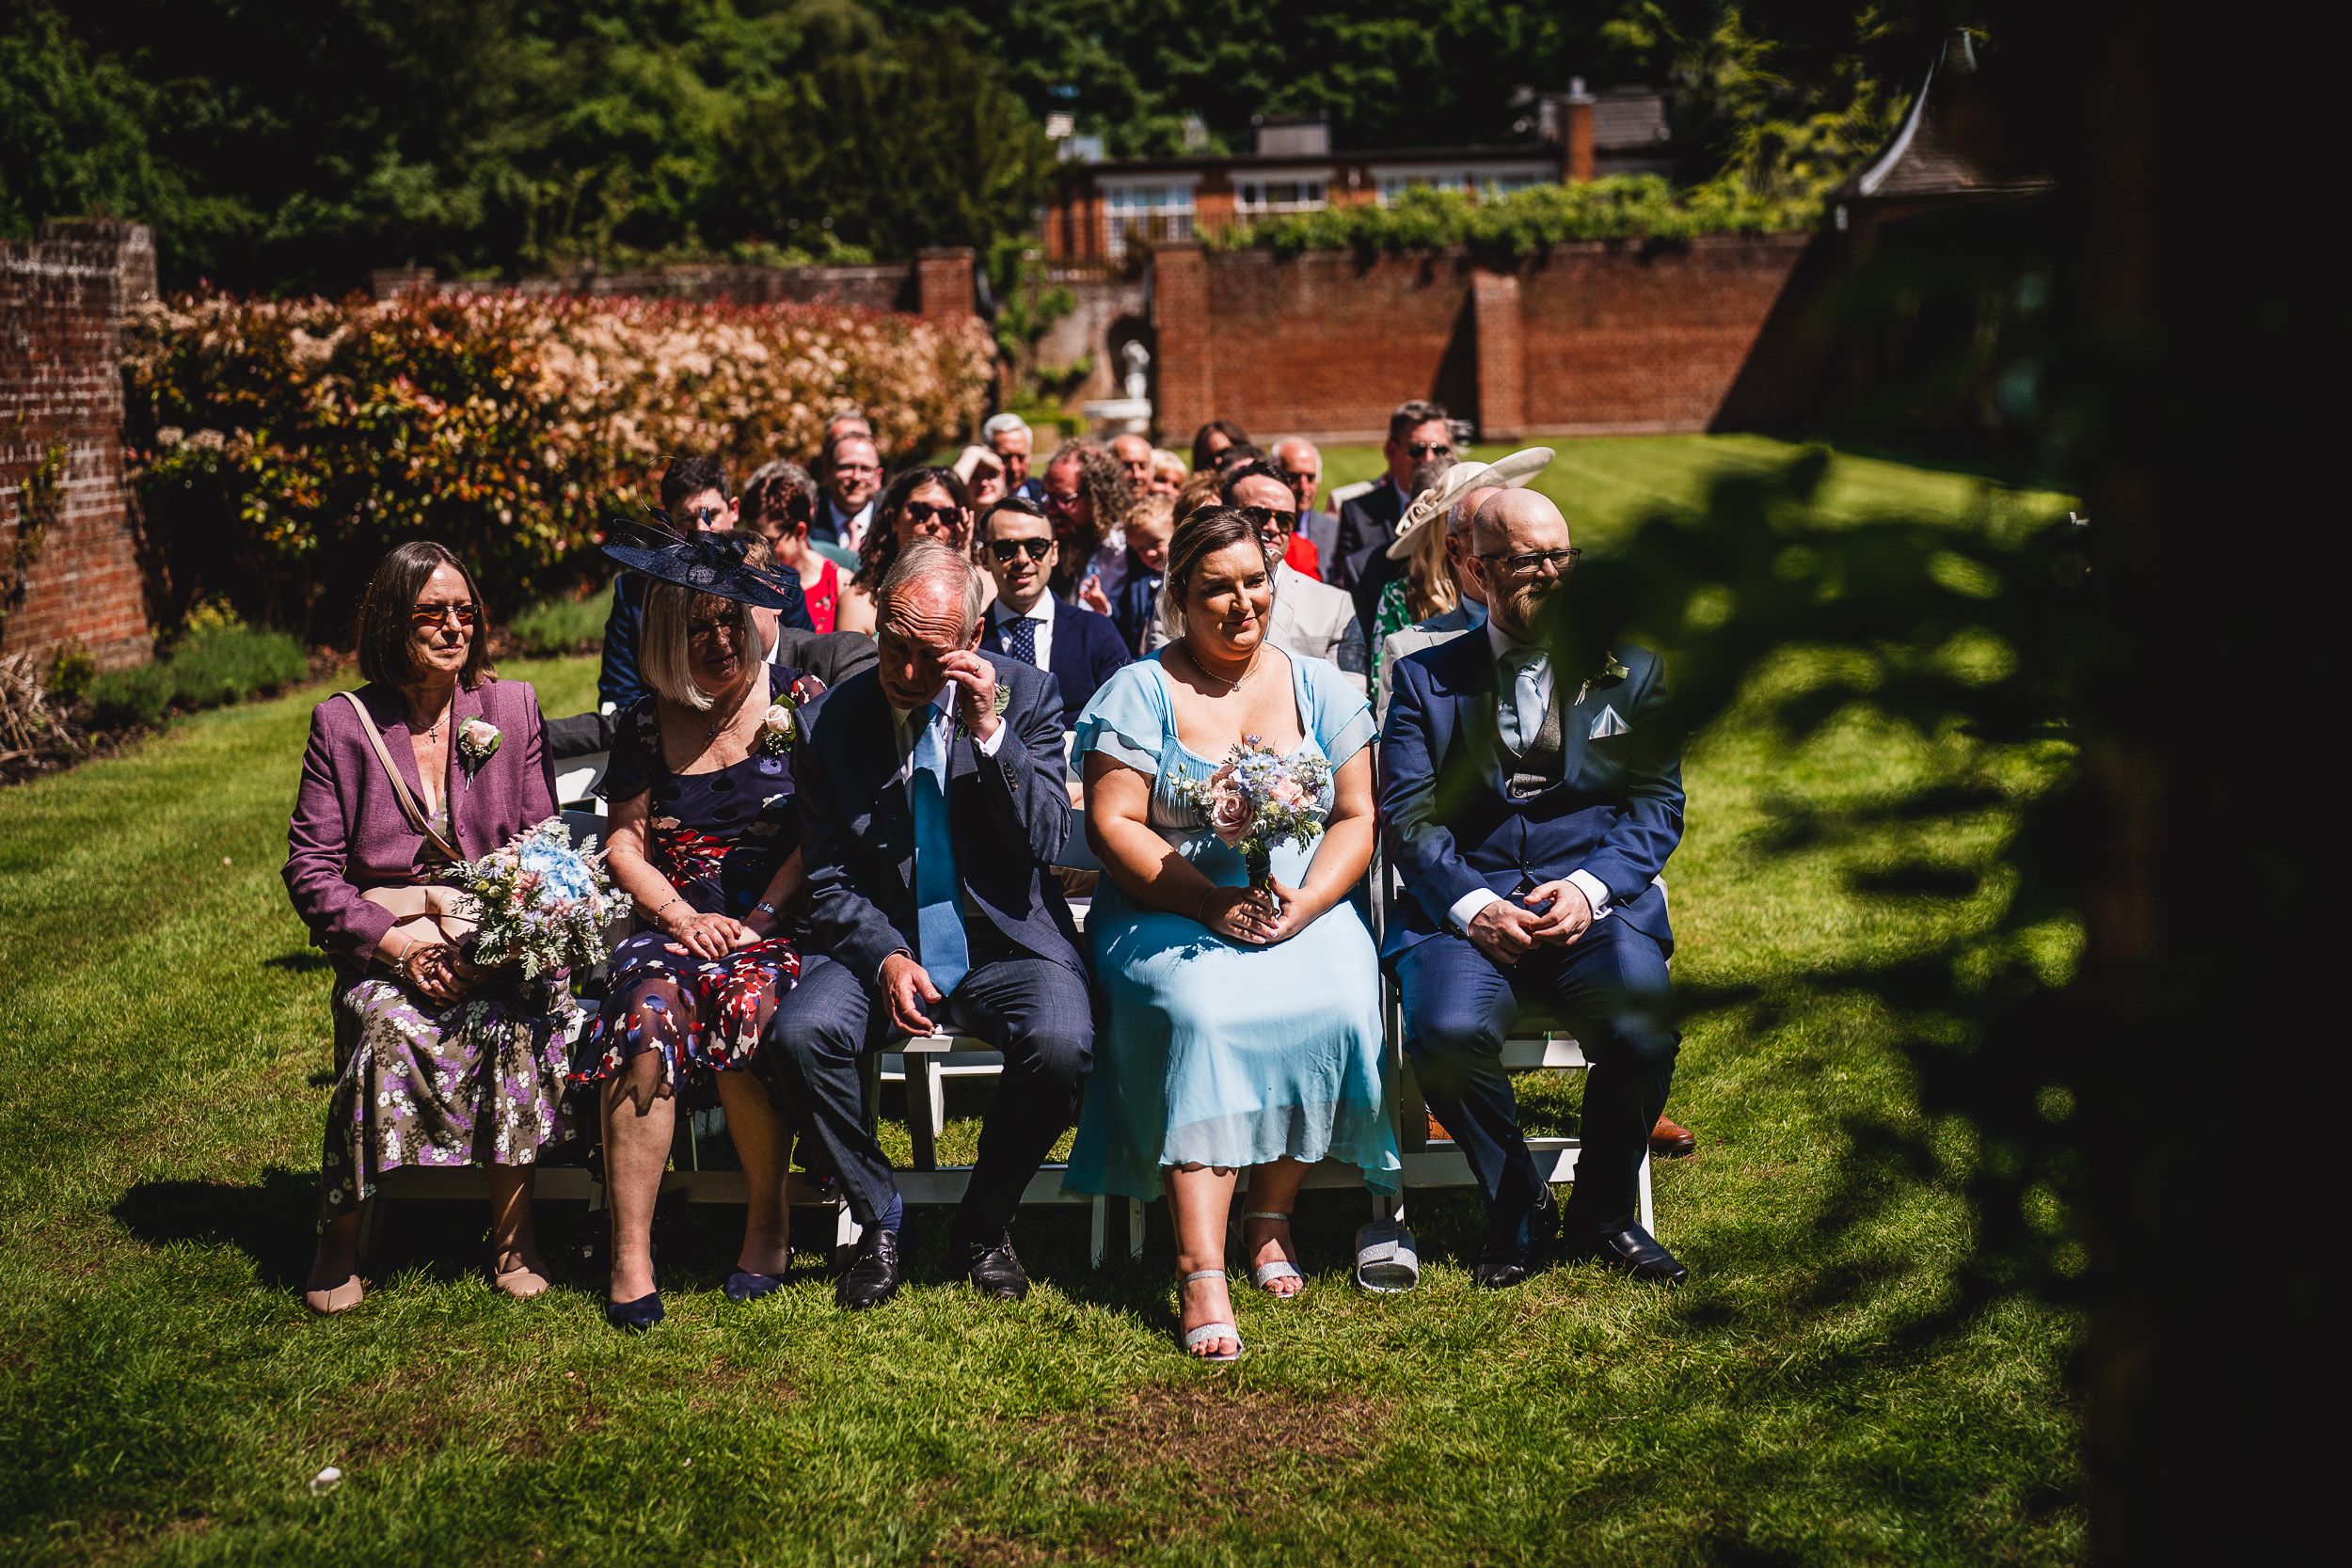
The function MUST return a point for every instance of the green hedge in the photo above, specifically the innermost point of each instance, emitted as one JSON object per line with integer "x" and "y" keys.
{"x": 1622, "y": 207}
{"x": 211, "y": 668}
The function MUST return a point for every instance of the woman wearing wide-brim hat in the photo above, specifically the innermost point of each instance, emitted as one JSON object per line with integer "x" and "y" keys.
{"x": 706, "y": 841}
{"x": 1434, "y": 600}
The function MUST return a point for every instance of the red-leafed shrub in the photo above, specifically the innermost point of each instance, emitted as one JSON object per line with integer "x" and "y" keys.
{"x": 284, "y": 445}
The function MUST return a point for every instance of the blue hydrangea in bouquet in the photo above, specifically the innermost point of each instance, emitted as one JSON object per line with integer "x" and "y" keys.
{"x": 542, "y": 903}
{"x": 1257, "y": 801}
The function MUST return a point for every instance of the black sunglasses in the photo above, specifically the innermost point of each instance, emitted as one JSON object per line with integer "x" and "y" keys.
{"x": 1265, "y": 517}
{"x": 1428, "y": 448}
{"x": 1004, "y": 549}
{"x": 924, "y": 512}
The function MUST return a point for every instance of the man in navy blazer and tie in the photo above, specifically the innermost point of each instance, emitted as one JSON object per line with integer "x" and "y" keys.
{"x": 1080, "y": 647}
{"x": 1528, "y": 812}
{"x": 932, "y": 809}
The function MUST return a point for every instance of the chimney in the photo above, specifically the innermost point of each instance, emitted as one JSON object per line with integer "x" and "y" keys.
{"x": 1293, "y": 135}
{"x": 1576, "y": 134}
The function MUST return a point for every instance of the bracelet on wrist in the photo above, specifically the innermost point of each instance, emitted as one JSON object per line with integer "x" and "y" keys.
{"x": 1201, "y": 910}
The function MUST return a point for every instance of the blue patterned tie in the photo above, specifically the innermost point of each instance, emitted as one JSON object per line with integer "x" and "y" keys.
{"x": 938, "y": 899}
{"x": 1020, "y": 639}
{"x": 1522, "y": 715}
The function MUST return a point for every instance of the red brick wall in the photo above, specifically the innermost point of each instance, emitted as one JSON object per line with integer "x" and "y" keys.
{"x": 1593, "y": 338}
{"x": 61, "y": 303}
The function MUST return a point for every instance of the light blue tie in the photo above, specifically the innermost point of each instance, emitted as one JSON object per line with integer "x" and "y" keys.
{"x": 938, "y": 898}
{"x": 1522, "y": 715}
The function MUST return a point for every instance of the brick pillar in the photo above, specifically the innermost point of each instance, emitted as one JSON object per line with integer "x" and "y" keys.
{"x": 1501, "y": 364}
{"x": 942, "y": 283}
{"x": 1180, "y": 319}
{"x": 1576, "y": 141}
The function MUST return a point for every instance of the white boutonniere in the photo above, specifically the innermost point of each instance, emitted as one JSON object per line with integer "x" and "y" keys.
{"x": 477, "y": 743}
{"x": 777, "y": 727}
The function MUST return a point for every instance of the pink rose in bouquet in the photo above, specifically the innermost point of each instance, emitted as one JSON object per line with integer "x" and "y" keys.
{"x": 1230, "y": 813}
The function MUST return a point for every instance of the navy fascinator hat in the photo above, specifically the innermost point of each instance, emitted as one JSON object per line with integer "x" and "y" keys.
{"x": 713, "y": 563}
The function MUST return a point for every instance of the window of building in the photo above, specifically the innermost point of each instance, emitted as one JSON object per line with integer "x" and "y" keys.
{"x": 1259, "y": 197}
{"x": 1145, "y": 214}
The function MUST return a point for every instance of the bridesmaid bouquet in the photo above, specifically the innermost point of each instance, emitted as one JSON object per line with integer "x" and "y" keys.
{"x": 1258, "y": 800}
{"x": 542, "y": 902}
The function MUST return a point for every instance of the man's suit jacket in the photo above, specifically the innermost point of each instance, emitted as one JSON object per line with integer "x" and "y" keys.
{"x": 1322, "y": 530}
{"x": 1366, "y": 522}
{"x": 1009, "y": 814}
{"x": 1085, "y": 653}
{"x": 1400, "y": 645}
{"x": 832, "y": 656}
{"x": 1317, "y": 621}
{"x": 1450, "y": 827}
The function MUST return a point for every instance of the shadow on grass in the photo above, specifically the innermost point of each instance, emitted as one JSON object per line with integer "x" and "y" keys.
{"x": 270, "y": 1222}
{"x": 309, "y": 962}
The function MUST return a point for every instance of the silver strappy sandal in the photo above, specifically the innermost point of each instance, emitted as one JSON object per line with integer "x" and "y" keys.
{"x": 1387, "y": 1262}
{"x": 1209, "y": 1331}
{"x": 1266, "y": 1274}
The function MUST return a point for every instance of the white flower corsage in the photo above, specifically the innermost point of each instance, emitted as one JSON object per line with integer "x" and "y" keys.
{"x": 477, "y": 743}
{"x": 776, "y": 729}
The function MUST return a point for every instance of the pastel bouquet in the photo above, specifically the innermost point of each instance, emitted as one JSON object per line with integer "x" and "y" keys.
{"x": 1257, "y": 801}
{"x": 541, "y": 902}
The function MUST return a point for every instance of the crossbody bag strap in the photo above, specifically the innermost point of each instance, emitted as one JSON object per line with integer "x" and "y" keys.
{"x": 408, "y": 806}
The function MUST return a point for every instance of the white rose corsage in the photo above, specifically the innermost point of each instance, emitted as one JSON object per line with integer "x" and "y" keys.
{"x": 776, "y": 728}
{"x": 477, "y": 743}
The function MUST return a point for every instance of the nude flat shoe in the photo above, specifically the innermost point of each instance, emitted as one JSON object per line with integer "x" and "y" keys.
{"x": 335, "y": 1298}
{"x": 522, "y": 1281}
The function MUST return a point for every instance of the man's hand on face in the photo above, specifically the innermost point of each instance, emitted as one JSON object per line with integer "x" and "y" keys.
{"x": 975, "y": 682}
{"x": 1504, "y": 931}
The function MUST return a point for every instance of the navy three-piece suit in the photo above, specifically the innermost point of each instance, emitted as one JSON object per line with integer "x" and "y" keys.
{"x": 1451, "y": 825}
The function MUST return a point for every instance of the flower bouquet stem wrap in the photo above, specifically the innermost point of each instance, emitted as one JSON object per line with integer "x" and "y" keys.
{"x": 1258, "y": 800}
{"x": 542, "y": 903}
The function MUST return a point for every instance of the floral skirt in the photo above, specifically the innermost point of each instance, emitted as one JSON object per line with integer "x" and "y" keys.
{"x": 703, "y": 1015}
{"x": 480, "y": 1082}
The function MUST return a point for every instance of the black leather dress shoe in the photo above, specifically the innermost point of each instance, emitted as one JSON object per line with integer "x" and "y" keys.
{"x": 995, "y": 1270}
{"x": 874, "y": 1274}
{"x": 1635, "y": 1251}
{"x": 1507, "y": 1262}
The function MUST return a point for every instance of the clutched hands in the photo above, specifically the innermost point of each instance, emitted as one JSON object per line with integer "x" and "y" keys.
{"x": 1257, "y": 918}
{"x": 709, "y": 936}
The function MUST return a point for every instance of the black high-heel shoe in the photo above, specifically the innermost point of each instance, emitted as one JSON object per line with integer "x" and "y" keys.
{"x": 743, "y": 1285}
{"x": 634, "y": 1317}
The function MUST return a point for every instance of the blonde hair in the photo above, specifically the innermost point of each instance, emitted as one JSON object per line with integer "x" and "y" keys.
{"x": 662, "y": 653}
{"x": 1167, "y": 462}
{"x": 1153, "y": 509}
{"x": 1429, "y": 588}
{"x": 1199, "y": 490}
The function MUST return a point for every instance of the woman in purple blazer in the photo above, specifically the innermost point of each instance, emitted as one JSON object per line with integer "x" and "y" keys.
{"x": 438, "y": 1063}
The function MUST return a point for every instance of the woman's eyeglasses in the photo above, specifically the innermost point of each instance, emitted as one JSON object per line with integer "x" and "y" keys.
{"x": 434, "y": 614}
{"x": 1526, "y": 566}
{"x": 1033, "y": 549}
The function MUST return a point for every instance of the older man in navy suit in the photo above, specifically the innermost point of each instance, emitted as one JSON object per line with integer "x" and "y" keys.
{"x": 1530, "y": 809}
{"x": 932, "y": 809}
{"x": 1082, "y": 648}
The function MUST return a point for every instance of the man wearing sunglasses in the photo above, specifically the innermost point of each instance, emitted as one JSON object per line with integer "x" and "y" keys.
{"x": 1418, "y": 432}
{"x": 1080, "y": 648}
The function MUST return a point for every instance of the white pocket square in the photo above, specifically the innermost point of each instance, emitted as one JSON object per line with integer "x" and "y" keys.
{"x": 1609, "y": 724}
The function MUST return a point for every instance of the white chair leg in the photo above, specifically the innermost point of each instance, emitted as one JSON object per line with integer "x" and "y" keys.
{"x": 1135, "y": 1227}
{"x": 1649, "y": 1217}
{"x": 1098, "y": 1228}
{"x": 935, "y": 1094}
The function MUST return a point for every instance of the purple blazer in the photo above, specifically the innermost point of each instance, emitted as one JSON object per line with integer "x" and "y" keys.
{"x": 348, "y": 833}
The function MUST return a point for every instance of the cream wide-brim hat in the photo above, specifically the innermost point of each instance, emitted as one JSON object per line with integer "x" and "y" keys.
{"x": 1508, "y": 473}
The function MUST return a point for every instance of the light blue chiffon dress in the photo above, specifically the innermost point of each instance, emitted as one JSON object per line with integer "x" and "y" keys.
{"x": 1219, "y": 1053}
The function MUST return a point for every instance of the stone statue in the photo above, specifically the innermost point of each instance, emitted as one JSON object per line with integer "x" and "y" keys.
{"x": 1138, "y": 357}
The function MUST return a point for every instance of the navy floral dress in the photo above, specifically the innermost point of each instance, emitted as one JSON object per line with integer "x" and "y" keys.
{"x": 718, "y": 838}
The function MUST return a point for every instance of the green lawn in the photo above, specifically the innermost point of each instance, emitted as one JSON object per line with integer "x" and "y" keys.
{"x": 1811, "y": 1395}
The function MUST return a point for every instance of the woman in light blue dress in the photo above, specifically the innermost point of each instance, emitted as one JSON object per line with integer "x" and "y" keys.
{"x": 1245, "y": 1026}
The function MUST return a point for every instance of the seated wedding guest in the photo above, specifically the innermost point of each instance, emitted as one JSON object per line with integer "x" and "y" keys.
{"x": 705, "y": 841}
{"x": 695, "y": 496}
{"x": 1135, "y": 455}
{"x": 983, "y": 475}
{"x": 437, "y": 1062}
{"x": 1245, "y": 1026}
{"x": 1029, "y": 623}
{"x": 1300, "y": 467}
{"x": 1308, "y": 618}
{"x": 848, "y": 421}
{"x": 1376, "y": 569}
{"x": 1200, "y": 488}
{"x": 852, "y": 474}
{"x": 1148, "y": 528}
{"x": 1437, "y": 600}
{"x": 933, "y": 806}
{"x": 779, "y": 502}
{"x": 1529, "y": 810}
{"x": 1418, "y": 432}
{"x": 1212, "y": 438}
{"x": 1086, "y": 499}
{"x": 1010, "y": 437}
{"x": 1167, "y": 472}
{"x": 922, "y": 503}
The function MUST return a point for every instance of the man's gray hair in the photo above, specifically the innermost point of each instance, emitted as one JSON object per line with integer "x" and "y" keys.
{"x": 998, "y": 424}
{"x": 929, "y": 562}
{"x": 1294, "y": 441}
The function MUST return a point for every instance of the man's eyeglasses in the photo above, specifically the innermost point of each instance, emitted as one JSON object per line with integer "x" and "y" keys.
{"x": 857, "y": 467}
{"x": 1419, "y": 450}
{"x": 925, "y": 512}
{"x": 1033, "y": 549}
{"x": 1528, "y": 565}
{"x": 434, "y": 614}
{"x": 1269, "y": 519}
